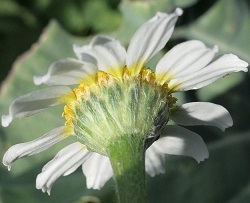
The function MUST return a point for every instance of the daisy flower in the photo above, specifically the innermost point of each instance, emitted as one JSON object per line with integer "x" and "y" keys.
{"x": 117, "y": 107}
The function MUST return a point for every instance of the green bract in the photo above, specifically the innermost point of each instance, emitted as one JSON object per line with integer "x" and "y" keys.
{"x": 112, "y": 108}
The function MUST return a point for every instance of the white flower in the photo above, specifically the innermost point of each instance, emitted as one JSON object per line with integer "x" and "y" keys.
{"x": 187, "y": 66}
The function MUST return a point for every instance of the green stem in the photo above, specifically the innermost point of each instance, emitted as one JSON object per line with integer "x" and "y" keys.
{"x": 127, "y": 156}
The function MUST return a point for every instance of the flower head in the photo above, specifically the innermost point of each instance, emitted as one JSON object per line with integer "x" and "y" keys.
{"x": 117, "y": 95}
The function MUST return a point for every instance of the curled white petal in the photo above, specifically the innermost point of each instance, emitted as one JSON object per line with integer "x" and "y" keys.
{"x": 183, "y": 59}
{"x": 150, "y": 38}
{"x": 6, "y": 120}
{"x": 98, "y": 171}
{"x": 67, "y": 72}
{"x": 64, "y": 163}
{"x": 202, "y": 113}
{"x": 154, "y": 161}
{"x": 104, "y": 52}
{"x": 33, "y": 147}
{"x": 180, "y": 141}
{"x": 34, "y": 102}
{"x": 224, "y": 65}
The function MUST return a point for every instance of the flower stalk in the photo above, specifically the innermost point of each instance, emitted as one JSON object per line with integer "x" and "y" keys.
{"x": 127, "y": 156}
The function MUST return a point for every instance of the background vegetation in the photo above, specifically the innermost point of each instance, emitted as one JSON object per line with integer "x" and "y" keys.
{"x": 33, "y": 34}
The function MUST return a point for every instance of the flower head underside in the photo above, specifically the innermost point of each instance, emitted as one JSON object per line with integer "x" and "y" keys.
{"x": 105, "y": 109}
{"x": 116, "y": 96}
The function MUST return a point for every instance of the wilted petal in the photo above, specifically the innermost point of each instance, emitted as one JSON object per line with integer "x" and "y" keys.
{"x": 226, "y": 64}
{"x": 64, "y": 163}
{"x": 104, "y": 52}
{"x": 180, "y": 141}
{"x": 67, "y": 72}
{"x": 154, "y": 161}
{"x": 98, "y": 170}
{"x": 150, "y": 38}
{"x": 34, "y": 102}
{"x": 202, "y": 113}
{"x": 182, "y": 59}
{"x": 33, "y": 147}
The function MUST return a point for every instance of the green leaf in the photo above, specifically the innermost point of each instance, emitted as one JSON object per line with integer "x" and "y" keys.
{"x": 13, "y": 9}
{"x": 220, "y": 86}
{"x": 225, "y": 24}
{"x": 243, "y": 196}
{"x": 102, "y": 16}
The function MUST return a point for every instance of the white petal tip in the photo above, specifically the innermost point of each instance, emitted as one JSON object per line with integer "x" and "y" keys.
{"x": 38, "y": 80}
{"x": 94, "y": 187}
{"x": 227, "y": 125}
{"x": 91, "y": 184}
{"x": 43, "y": 189}
{"x": 178, "y": 11}
{"x": 76, "y": 47}
{"x": 7, "y": 160}
{"x": 241, "y": 63}
{"x": 202, "y": 157}
{"x": 245, "y": 67}
{"x": 8, "y": 166}
{"x": 215, "y": 49}
{"x": 5, "y": 163}
{"x": 223, "y": 129}
{"x": 48, "y": 192}
{"x": 6, "y": 120}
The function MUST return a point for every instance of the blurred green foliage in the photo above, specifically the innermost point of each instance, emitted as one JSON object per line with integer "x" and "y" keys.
{"x": 56, "y": 25}
{"x": 21, "y": 22}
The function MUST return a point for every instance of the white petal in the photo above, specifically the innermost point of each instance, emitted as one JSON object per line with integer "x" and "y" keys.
{"x": 66, "y": 72}
{"x": 33, "y": 147}
{"x": 64, "y": 163}
{"x": 226, "y": 64}
{"x": 6, "y": 120}
{"x": 98, "y": 171}
{"x": 34, "y": 102}
{"x": 150, "y": 38}
{"x": 202, "y": 113}
{"x": 182, "y": 59}
{"x": 180, "y": 141}
{"x": 104, "y": 52}
{"x": 154, "y": 161}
